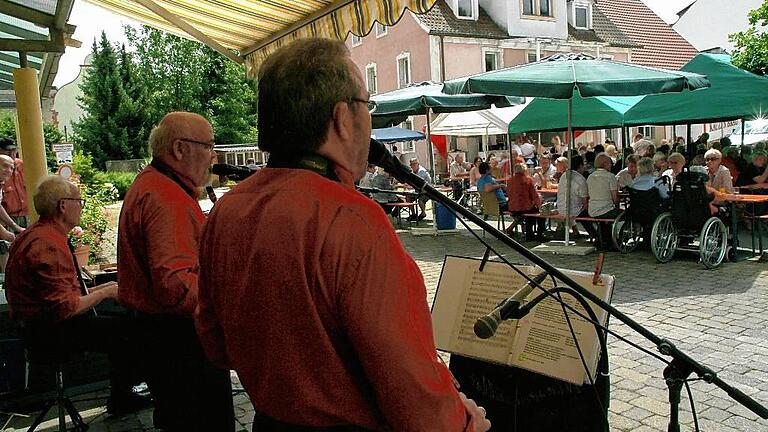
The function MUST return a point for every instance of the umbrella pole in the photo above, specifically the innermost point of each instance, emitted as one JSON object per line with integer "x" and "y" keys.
{"x": 569, "y": 176}
{"x": 689, "y": 141}
{"x": 430, "y": 153}
{"x": 742, "y": 132}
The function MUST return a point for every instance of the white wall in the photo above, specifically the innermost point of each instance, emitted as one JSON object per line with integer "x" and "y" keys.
{"x": 556, "y": 27}
{"x": 708, "y": 23}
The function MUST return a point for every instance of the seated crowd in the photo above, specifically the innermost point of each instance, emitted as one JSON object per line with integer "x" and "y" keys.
{"x": 598, "y": 174}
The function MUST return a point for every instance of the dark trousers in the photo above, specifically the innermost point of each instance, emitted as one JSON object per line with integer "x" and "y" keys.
{"x": 530, "y": 222}
{"x": 112, "y": 335}
{"x": 190, "y": 393}
{"x": 601, "y": 231}
{"x": 458, "y": 189}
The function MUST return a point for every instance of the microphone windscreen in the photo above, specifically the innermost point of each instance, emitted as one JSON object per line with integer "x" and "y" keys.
{"x": 485, "y": 327}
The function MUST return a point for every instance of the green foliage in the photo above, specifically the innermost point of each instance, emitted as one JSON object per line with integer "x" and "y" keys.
{"x": 51, "y": 135}
{"x": 179, "y": 74}
{"x": 120, "y": 180}
{"x": 107, "y": 130}
{"x": 82, "y": 164}
{"x": 751, "y": 52}
{"x": 94, "y": 219}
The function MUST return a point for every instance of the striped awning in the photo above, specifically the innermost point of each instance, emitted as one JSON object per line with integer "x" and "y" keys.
{"x": 256, "y": 28}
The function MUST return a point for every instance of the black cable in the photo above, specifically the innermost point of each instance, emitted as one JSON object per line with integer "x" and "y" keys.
{"x": 583, "y": 361}
{"x": 693, "y": 406}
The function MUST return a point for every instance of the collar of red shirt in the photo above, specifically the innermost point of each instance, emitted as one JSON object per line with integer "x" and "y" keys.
{"x": 184, "y": 182}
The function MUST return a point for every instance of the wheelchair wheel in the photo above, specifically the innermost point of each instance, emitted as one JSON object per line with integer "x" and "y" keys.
{"x": 713, "y": 243}
{"x": 663, "y": 238}
{"x": 626, "y": 235}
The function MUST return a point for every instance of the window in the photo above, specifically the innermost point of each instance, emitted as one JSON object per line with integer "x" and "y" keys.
{"x": 531, "y": 57}
{"x": 381, "y": 30}
{"x": 492, "y": 60}
{"x": 356, "y": 40}
{"x": 465, "y": 9}
{"x": 580, "y": 17}
{"x": 407, "y": 146}
{"x": 371, "y": 83}
{"x": 403, "y": 70}
{"x": 537, "y": 7}
{"x": 647, "y": 131}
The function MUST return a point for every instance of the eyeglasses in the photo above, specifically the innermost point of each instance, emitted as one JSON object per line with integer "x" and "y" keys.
{"x": 709, "y": 159}
{"x": 81, "y": 200}
{"x": 371, "y": 104}
{"x": 206, "y": 145}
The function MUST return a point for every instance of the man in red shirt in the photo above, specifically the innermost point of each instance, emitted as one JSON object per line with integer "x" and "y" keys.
{"x": 14, "y": 191}
{"x": 305, "y": 289}
{"x": 46, "y": 296}
{"x": 157, "y": 250}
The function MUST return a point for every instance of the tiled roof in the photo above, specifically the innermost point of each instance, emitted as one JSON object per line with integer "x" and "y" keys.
{"x": 608, "y": 32}
{"x": 661, "y": 45}
{"x": 442, "y": 21}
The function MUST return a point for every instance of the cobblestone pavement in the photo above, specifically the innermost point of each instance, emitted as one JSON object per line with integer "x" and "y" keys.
{"x": 718, "y": 317}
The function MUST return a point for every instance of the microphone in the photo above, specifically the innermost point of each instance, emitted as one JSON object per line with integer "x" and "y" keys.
{"x": 380, "y": 156}
{"x": 237, "y": 172}
{"x": 486, "y": 325}
{"x": 211, "y": 194}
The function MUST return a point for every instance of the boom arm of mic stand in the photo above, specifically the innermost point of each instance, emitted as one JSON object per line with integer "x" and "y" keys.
{"x": 664, "y": 346}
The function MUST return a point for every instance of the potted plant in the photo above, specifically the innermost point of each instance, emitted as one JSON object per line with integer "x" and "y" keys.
{"x": 88, "y": 237}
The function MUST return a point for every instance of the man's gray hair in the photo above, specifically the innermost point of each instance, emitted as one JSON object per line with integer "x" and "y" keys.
{"x": 50, "y": 191}
{"x": 645, "y": 166}
{"x": 299, "y": 86}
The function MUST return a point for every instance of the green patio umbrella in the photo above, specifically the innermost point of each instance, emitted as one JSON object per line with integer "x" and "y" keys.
{"x": 562, "y": 76}
{"x": 546, "y": 115}
{"x": 734, "y": 94}
{"x": 426, "y": 98}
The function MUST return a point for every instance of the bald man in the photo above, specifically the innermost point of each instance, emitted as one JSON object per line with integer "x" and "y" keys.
{"x": 157, "y": 249}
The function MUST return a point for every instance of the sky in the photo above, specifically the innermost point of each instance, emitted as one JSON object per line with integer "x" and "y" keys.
{"x": 91, "y": 20}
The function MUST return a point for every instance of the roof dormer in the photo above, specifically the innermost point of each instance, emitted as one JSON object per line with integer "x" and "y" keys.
{"x": 580, "y": 14}
{"x": 465, "y": 9}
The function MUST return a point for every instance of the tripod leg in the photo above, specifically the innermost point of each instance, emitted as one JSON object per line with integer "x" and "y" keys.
{"x": 77, "y": 421}
{"x": 60, "y": 400}
{"x": 40, "y": 417}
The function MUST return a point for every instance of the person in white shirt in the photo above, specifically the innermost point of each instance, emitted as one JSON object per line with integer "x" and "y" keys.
{"x": 370, "y": 173}
{"x": 579, "y": 192}
{"x": 626, "y": 176}
{"x": 676, "y": 162}
{"x": 458, "y": 171}
{"x": 603, "y": 192}
{"x": 424, "y": 175}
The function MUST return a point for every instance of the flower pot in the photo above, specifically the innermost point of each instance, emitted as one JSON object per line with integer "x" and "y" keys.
{"x": 81, "y": 255}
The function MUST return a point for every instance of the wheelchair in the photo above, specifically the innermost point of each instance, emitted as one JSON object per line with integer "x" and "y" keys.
{"x": 634, "y": 223}
{"x": 690, "y": 226}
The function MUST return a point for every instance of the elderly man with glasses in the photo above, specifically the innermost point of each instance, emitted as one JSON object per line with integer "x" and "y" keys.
{"x": 316, "y": 304}
{"x": 47, "y": 296}
{"x": 157, "y": 250}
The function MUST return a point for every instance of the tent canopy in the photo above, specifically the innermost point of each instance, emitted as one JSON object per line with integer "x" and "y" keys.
{"x": 562, "y": 75}
{"x": 396, "y": 134}
{"x": 416, "y": 99}
{"x": 734, "y": 94}
{"x": 547, "y": 115}
{"x": 493, "y": 121}
{"x": 256, "y": 28}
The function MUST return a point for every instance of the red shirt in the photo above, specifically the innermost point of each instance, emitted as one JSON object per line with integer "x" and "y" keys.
{"x": 521, "y": 193}
{"x": 40, "y": 278}
{"x": 307, "y": 292}
{"x": 15, "y": 193}
{"x": 159, "y": 229}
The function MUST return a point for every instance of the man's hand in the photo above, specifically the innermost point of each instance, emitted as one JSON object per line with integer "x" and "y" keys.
{"x": 480, "y": 423}
{"x": 18, "y": 229}
{"x": 108, "y": 290}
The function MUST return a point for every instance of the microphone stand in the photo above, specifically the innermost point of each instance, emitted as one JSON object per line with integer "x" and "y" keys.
{"x": 681, "y": 366}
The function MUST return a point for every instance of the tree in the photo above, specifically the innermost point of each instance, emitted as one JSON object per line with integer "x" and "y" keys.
{"x": 180, "y": 74}
{"x": 99, "y": 132}
{"x": 751, "y": 52}
{"x": 51, "y": 135}
{"x": 133, "y": 114}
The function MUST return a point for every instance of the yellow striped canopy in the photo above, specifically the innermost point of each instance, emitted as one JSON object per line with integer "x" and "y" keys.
{"x": 256, "y": 28}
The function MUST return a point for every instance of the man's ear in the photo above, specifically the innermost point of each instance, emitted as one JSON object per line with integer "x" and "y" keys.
{"x": 178, "y": 149}
{"x": 343, "y": 121}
